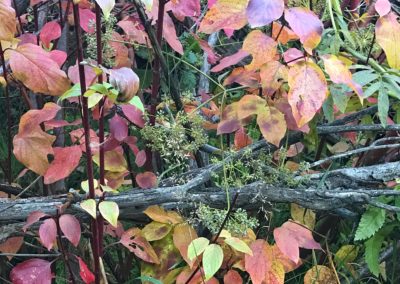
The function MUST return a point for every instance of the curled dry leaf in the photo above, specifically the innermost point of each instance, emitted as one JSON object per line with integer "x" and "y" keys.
{"x": 126, "y": 82}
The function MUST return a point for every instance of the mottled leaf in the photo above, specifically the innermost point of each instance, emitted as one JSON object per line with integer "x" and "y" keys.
{"x": 320, "y": 274}
{"x": 133, "y": 240}
{"x": 261, "y": 47}
{"x": 263, "y": 12}
{"x": 272, "y": 75}
{"x": 32, "y": 271}
{"x": 155, "y": 231}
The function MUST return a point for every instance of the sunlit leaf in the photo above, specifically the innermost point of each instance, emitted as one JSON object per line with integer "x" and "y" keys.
{"x": 263, "y": 12}
{"x": 110, "y": 211}
{"x": 89, "y": 206}
{"x": 197, "y": 247}
{"x": 261, "y": 47}
{"x": 212, "y": 260}
{"x": 387, "y": 32}
{"x": 65, "y": 161}
{"x": 8, "y": 26}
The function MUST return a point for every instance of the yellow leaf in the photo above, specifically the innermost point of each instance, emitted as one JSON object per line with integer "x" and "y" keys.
{"x": 387, "y": 31}
{"x": 302, "y": 215}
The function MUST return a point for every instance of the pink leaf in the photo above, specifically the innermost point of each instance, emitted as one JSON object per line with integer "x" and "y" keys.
{"x": 140, "y": 158}
{"x": 87, "y": 20}
{"x": 49, "y": 32}
{"x": 230, "y": 60}
{"x": 263, "y": 12}
{"x": 71, "y": 228}
{"x": 48, "y": 233}
{"x": 118, "y": 128}
{"x": 170, "y": 36}
{"x": 133, "y": 114}
{"x": 383, "y": 7}
{"x": 65, "y": 161}
{"x": 58, "y": 56}
{"x": 185, "y": 8}
{"x": 33, "y": 217}
{"x": 85, "y": 273}
{"x": 292, "y": 236}
{"x": 146, "y": 180}
{"x": 32, "y": 271}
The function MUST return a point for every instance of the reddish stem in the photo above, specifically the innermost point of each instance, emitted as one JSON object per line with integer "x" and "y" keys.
{"x": 85, "y": 121}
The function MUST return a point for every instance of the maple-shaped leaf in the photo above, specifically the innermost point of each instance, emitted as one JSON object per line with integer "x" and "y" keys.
{"x": 225, "y": 14}
{"x": 308, "y": 91}
{"x": 11, "y": 246}
{"x": 158, "y": 214}
{"x": 387, "y": 32}
{"x": 71, "y": 228}
{"x": 32, "y": 271}
{"x": 340, "y": 74}
{"x": 85, "y": 273}
{"x": 306, "y": 25}
{"x": 32, "y": 144}
{"x": 146, "y": 180}
{"x": 48, "y": 233}
{"x": 65, "y": 161}
{"x": 186, "y": 8}
{"x": 133, "y": 240}
{"x": 272, "y": 76}
{"x": 183, "y": 235}
{"x": 8, "y": 27}
{"x": 37, "y": 71}
{"x": 261, "y": 47}
{"x": 263, "y": 12}
{"x": 49, "y": 32}
{"x": 292, "y": 236}
{"x": 230, "y": 60}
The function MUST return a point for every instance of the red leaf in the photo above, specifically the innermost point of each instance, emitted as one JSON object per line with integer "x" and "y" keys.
{"x": 306, "y": 25}
{"x": 65, "y": 161}
{"x": 211, "y": 56}
{"x": 48, "y": 233}
{"x": 282, "y": 34}
{"x": 33, "y": 217}
{"x": 49, "y": 32}
{"x": 11, "y": 245}
{"x": 118, "y": 128}
{"x": 58, "y": 56}
{"x": 133, "y": 114}
{"x": 32, "y": 271}
{"x": 383, "y": 7}
{"x": 232, "y": 277}
{"x": 86, "y": 17}
{"x": 140, "y": 158}
{"x": 169, "y": 33}
{"x": 242, "y": 139}
{"x": 78, "y": 137}
{"x": 291, "y": 236}
{"x": 230, "y": 60}
{"x": 85, "y": 273}
{"x": 71, "y": 228}
{"x": 146, "y": 180}
{"x": 263, "y": 12}
{"x": 30, "y": 59}
{"x": 32, "y": 144}
{"x": 186, "y": 8}
{"x": 134, "y": 31}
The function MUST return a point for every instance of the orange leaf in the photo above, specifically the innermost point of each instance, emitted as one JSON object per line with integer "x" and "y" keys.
{"x": 272, "y": 124}
{"x": 232, "y": 277}
{"x": 340, "y": 74}
{"x": 158, "y": 214}
{"x": 243, "y": 77}
{"x": 261, "y": 47}
{"x": 183, "y": 235}
{"x": 225, "y": 14}
{"x": 387, "y": 31}
{"x": 11, "y": 245}
{"x": 272, "y": 75}
{"x": 29, "y": 59}
{"x": 8, "y": 26}
{"x": 282, "y": 35}
{"x": 32, "y": 144}
{"x": 65, "y": 161}
{"x": 308, "y": 91}
{"x": 306, "y": 25}
{"x": 242, "y": 139}
{"x": 229, "y": 121}
{"x": 133, "y": 240}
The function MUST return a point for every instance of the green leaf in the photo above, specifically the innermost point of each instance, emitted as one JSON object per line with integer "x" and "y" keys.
{"x": 110, "y": 211}
{"x": 152, "y": 280}
{"x": 371, "y": 221}
{"x": 99, "y": 88}
{"x": 383, "y": 106}
{"x": 94, "y": 99}
{"x": 372, "y": 89}
{"x": 89, "y": 205}
{"x": 75, "y": 91}
{"x": 196, "y": 247}
{"x": 212, "y": 260}
{"x": 373, "y": 247}
{"x": 328, "y": 109}
{"x": 137, "y": 102}
{"x": 365, "y": 77}
{"x": 339, "y": 96}
{"x": 238, "y": 245}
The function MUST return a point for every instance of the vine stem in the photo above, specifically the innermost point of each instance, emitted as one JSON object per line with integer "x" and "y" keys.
{"x": 99, "y": 50}
{"x": 8, "y": 114}
{"x": 86, "y": 127}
